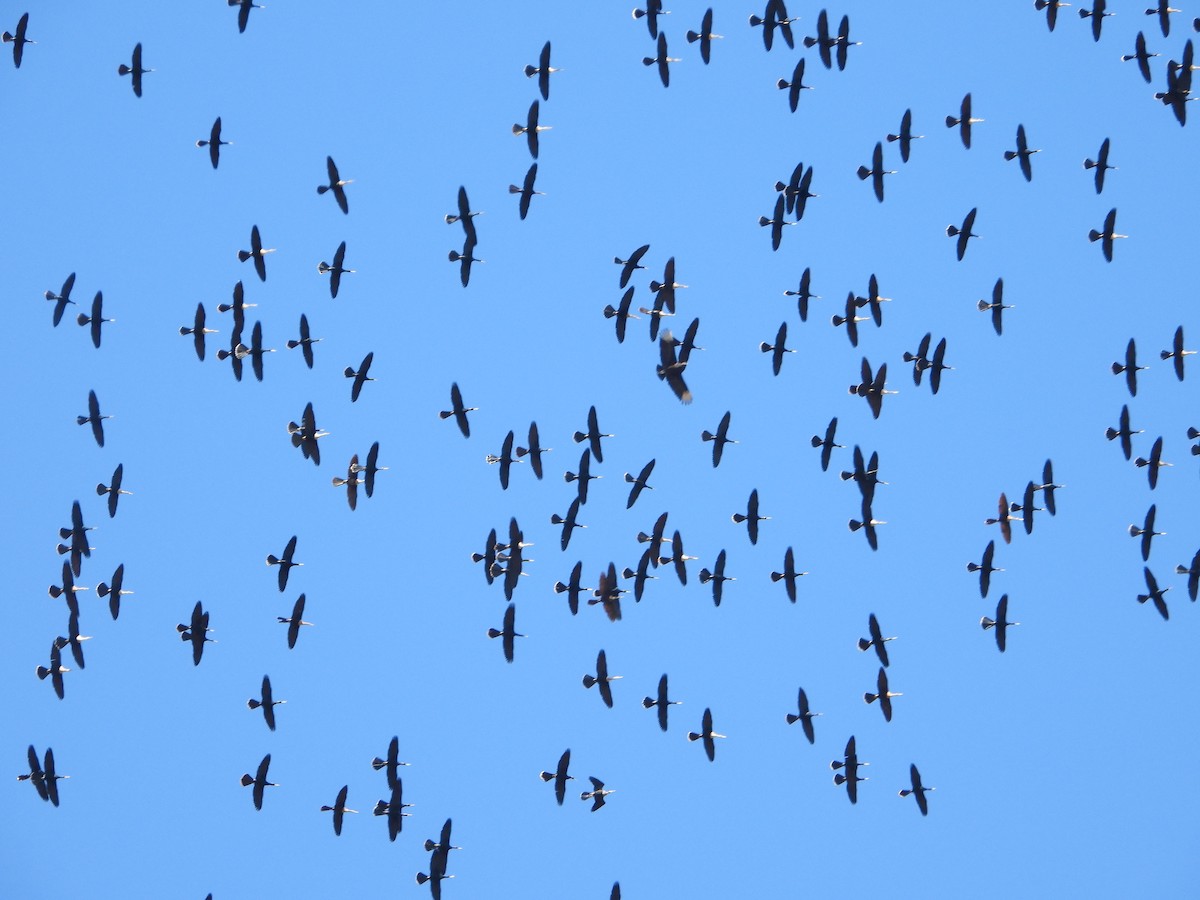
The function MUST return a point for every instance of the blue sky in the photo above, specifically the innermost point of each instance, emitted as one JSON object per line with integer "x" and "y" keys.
{"x": 1060, "y": 763}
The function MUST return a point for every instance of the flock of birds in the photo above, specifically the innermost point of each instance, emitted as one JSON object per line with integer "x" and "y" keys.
{"x": 504, "y": 560}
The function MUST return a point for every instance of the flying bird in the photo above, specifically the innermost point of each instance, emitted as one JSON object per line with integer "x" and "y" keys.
{"x": 751, "y": 517}
{"x": 505, "y": 459}
{"x": 266, "y": 703}
{"x": 704, "y": 36}
{"x": 1193, "y": 574}
{"x": 1003, "y": 518}
{"x": 794, "y": 85}
{"x": 135, "y": 70}
{"x": 526, "y": 191}
{"x": 804, "y": 716}
{"x": 596, "y": 794}
{"x": 114, "y": 590}
{"x": 985, "y": 568}
{"x": 1153, "y": 464}
{"x": 651, "y": 13}
{"x": 74, "y": 639}
{"x": 777, "y": 222}
{"x": 642, "y": 574}
{"x": 1142, "y": 56}
{"x": 339, "y": 809}
{"x": 964, "y": 120}
{"x": 872, "y": 387}
{"x": 1177, "y": 353}
{"x": 507, "y": 632}
{"x": 337, "y": 184}
{"x": 294, "y": 621}
{"x": 883, "y": 694}
{"x": 113, "y": 489}
{"x": 717, "y": 578}
{"x": 465, "y": 260}
{"x": 640, "y": 483}
{"x": 1100, "y": 164}
{"x": 826, "y": 443}
{"x": 593, "y": 435}
{"x": 917, "y": 790}
{"x": 458, "y": 411}
{"x": 660, "y": 702}
{"x": 823, "y": 40}
{"x": 306, "y": 434}
{"x": 719, "y": 439}
{"x": 335, "y": 271}
{"x": 559, "y": 776}
{"x": 789, "y": 574}
{"x": 214, "y": 143}
{"x": 621, "y": 313}
{"x": 1051, "y": 8}
{"x": 905, "y": 135}
{"x": 198, "y": 331}
{"x": 531, "y": 129}
{"x": 1022, "y": 154}
{"x": 350, "y": 482}
{"x": 1108, "y": 235}
{"x": 1153, "y": 592}
{"x": 849, "y": 764}
{"x": 359, "y": 375}
{"x": 572, "y": 588}
{"x": 963, "y": 233}
{"x": 608, "y": 594}
{"x": 465, "y": 216}
{"x": 665, "y": 289}
{"x": 663, "y": 61}
{"x": 1146, "y": 531}
{"x": 568, "y": 522}
{"x": 96, "y": 319}
{"x": 94, "y": 417}
{"x": 1000, "y": 623}
{"x": 876, "y": 172}
{"x": 285, "y": 562}
{"x": 391, "y": 763}
{"x": 877, "y": 640}
{"x": 1124, "y": 432}
{"x": 1129, "y": 367}
{"x": 196, "y": 632}
{"x": 543, "y": 70}
{"x": 706, "y": 735}
{"x": 867, "y": 525}
{"x": 670, "y": 369}
{"x": 601, "y": 679}
{"x": 997, "y": 306}
{"x": 68, "y": 589}
{"x": 304, "y": 343}
{"x": 629, "y": 266}
{"x": 438, "y": 860}
{"x": 777, "y": 349}
{"x": 18, "y": 40}
{"x": 1098, "y": 13}
{"x": 393, "y": 808}
{"x": 244, "y": 7}
{"x": 256, "y": 252}
{"x": 62, "y": 298}
{"x": 55, "y": 670}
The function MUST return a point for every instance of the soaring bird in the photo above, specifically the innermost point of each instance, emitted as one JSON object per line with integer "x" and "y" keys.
{"x": 18, "y": 40}
{"x": 1098, "y": 13}
{"x": 1051, "y": 8}
{"x": 985, "y": 568}
{"x": 789, "y": 574}
{"x": 337, "y": 184}
{"x": 920, "y": 359}
{"x": 1004, "y": 518}
{"x": 1153, "y": 463}
{"x": 716, "y": 577}
{"x": 883, "y": 694}
{"x": 94, "y": 417}
{"x": 77, "y": 533}
{"x": 74, "y": 639}
{"x": 596, "y": 794}
{"x": 1146, "y": 531}
{"x": 1022, "y": 154}
{"x": 350, "y": 482}
{"x": 826, "y": 443}
{"x": 306, "y": 434}
{"x": 750, "y": 517}
{"x": 335, "y": 271}
{"x": 438, "y": 860}
{"x": 642, "y": 574}
{"x": 339, "y": 809}
{"x": 255, "y": 351}
{"x": 608, "y": 594}
{"x": 96, "y": 320}
{"x": 543, "y": 70}
{"x": 559, "y": 776}
{"x": 55, "y": 670}
{"x": 458, "y": 411}
{"x": 867, "y": 525}
{"x": 393, "y": 808}
{"x": 640, "y": 483}
{"x": 777, "y": 349}
{"x": 1193, "y": 574}
{"x": 660, "y": 702}
{"x": 114, "y": 590}
{"x": 1000, "y": 623}
{"x": 465, "y": 216}
{"x": 1109, "y": 234}
{"x": 629, "y": 266}
{"x": 678, "y": 558}
{"x": 704, "y": 36}
{"x": 917, "y": 790}
{"x": 507, "y": 632}
{"x": 794, "y": 85}
{"x": 876, "y": 172}
{"x": 572, "y": 588}
{"x": 505, "y": 459}
{"x": 1124, "y": 432}
{"x": 294, "y": 621}
{"x": 1179, "y": 85}
{"x": 36, "y": 774}
{"x": 259, "y": 780}
{"x": 214, "y": 143}
{"x": 1163, "y": 11}
{"x": 113, "y": 489}
{"x": 359, "y": 375}
{"x": 963, "y": 233}
{"x": 526, "y": 190}
{"x": 1153, "y": 592}
{"x": 823, "y": 40}
{"x": 1129, "y": 367}
{"x": 670, "y": 369}
{"x": 135, "y": 70}
{"x": 256, "y": 252}
{"x": 244, "y": 7}
{"x": 593, "y": 435}
{"x": 804, "y": 716}
{"x": 1048, "y": 487}
{"x": 1142, "y": 56}
{"x": 843, "y": 43}
{"x": 621, "y": 313}
{"x": 706, "y": 735}
{"x": 266, "y": 703}
{"x": 877, "y": 640}
{"x": 304, "y": 343}
{"x": 849, "y": 764}
{"x": 62, "y": 298}
{"x": 665, "y": 289}
{"x": 653, "y": 10}
{"x": 872, "y": 387}
{"x": 997, "y": 306}
{"x": 568, "y": 522}
{"x": 68, "y": 589}
{"x": 777, "y": 222}
{"x": 719, "y": 439}
{"x": 198, "y": 331}
{"x": 905, "y": 135}
{"x": 391, "y": 763}
{"x": 531, "y": 129}
{"x": 1177, "y": 353}
{"x": 1100, "y": 164}
{"x": 796, "y": 194}
{"x": 601, "y": 679}
{"x": 964, "y": 120}
{"x": 663, "y": 61}
{"x": 238, "y": 307}
{"x": 196, "y": 632}
{"x": 285, "y": 562}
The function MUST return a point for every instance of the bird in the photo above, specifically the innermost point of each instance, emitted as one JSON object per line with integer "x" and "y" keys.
{"x": 1048, "y": 487}
{"x": 750, "y": 517}
{"x": 964, "y": 120}
{"x": 777, "y": 349}
{"x": 677, "y": 558}
{"x": 872, "y": 388}
{"x": 196, "y": 632}
{"x": 1129, "y": 367}
{"x": 390, "y": 763}
{"x": 231, "y": 354}
{"x": 74, "y": 639}
{"x": 1124, "y": 432}
{"x": 507, "y": 632}
{"x": 514, "y": 560}
{"x": 304, "y": 343}
{"x": 1098, "y": 13}
{"x": 1100, "y": 164}
{"x": 458, "y": 411}
{"x": 335, "y": 271}
{"x": 937, "y": 366}
{"x": 629, "y": 266}
{"x": 719, "y": 439}
{"x": 796, "y": 193}
{"x": 867, "y": 525}
{"x": 1163, "y": 11}
{"x": 804, "y": 716}
{"x": 1193, "y": 573}
{"x": 1179, "y": 85}
{"x": 114, "y": 590}
{"x": 826, "y": 443}
{"x": 642, "y": 574}
{"x": 534, "y": 451}
{"x": 1153, "y": 592}
{"x": 337, "y": 184}
{"x": 267, "y": 703}
{"x": 882, "y": 694}
{"x": 706, "y": 735}
{"x": 465, "y": 216}
{"x": 917, "y": 790}
{"x": 18, "y": 40}
{"x": 655, "y": 539}
{"x": 997, "y": 306}
{"x": 559, "y": 776}
{"x": 596, "y": 794}
{"x": 963, "y": 233}
{"x": 285, "y": 562}
{"x": 985, "y": 568}
{"x": 1026, "y": 507}
{"x": 360, "y": 376}
{"x": 440, "y": 854}
{"x": 1108, "y": 235}
{"x": 621, "y": 313}
{"x": 602, "y": 679}
{"x": 1003, "y": 518}
{"x": 526, "y": 191}
{"x": 849, "y": 764}
{"x": 543, "y": 70}
{"x": 55, "y": 670}
{"x": 135, "y": 70}
{"x": 572, "y": 588}
{"x": 568, "y": 522}
{"x": 877, "y": 640}
{"x": 256, "y": 252}
{"x": 665, "y": 289}
{"x": 214, "y": 143}
{"x": 640, "y": 483}
{"x": 68, "y": 589}
{"x": 113, "y": 489}
{"x": 198, "y": 331}
{"x": 1051, "y": 8}
{"x": 96, "y": 319}
{"x": 651, "y": 13}
{"x": 660, "y": 702}
{"x": 36, "y": 774}
{"x": 1142, "y": 57}
{"x": 593, "y": 435}
{"x": 865, "y": 474}
{"x": 1022, "y": 154}
{"x": 306, "y": 434}
{"x": 259, "y": 780}
{"x": 339, "y": 809}
{"x": 255, "y": 351}
{"x": 704, "y": 36}
{"x": 77, "y": 533}
{"x": 393, "y": 808}
{"x": 843, "y": 43}
{"x": 94, "y": 417}
{"x": 1153, "y": 463}
{"x": 1177, "y": 353}
{"x": 531, "y": 129}
{"x": 663, "y": 61}
{"x": 920, "y": 359}
{"x": 823, "y": 41}
{"x": 294, "y": 621}
{"x": 1146, "y": 531}
{"x": 777, "y": 222}
{"x": 505, "y": 459}
{"x": 876, "y": 172}
{"x": 789, "y": 574}
{"x": 670, "y": 369}
{"x": 716, "y": 577}
{"x": 350, "y": 482}
{"x": 905, "y": 135}
{"x": 62, "y": 298}
{"x": 238, "y": 307}
{"x": 608, "y": 594}
{"x": 1000, "y": 623}
{"x": 794, "y": 85}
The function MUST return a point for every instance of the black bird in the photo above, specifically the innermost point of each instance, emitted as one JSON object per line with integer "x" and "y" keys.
{"x": 284, "y": 562}
{"x": 1193, "y": 574}
{"x": 843, "y": 42}
{"x": 255, "y": 351}
{"x": 997, "y": 306}
{"x": 74, "y": 639}
{"x": 642, "y": 574}
{"x": 19, "y": 41}
{"x": 704, "y": 36}
{"x": 883, "y": 694}
{"x": 751, "y": 517}
{"x": 256, "y": 252}
{"x": 458, "y": 411}
{"x": 465, "y": 215}
{"x": 872, "y": 388}
{"x": 1142, "y": 57}
{"x": 789, "y": 574}
{"x": 628, "y": 266}
{"x": 214, "y": 143}
{"x": 78, "y": 548}
{"x": 804, "y": 716}
{"x": 572, "y": 588}
{"x": 798, "y": 191}
{"x": 608, "y": 594}
{"x": 1177, "y": 352}
{"x": 706, "y": 735}
{"x": 135, "y": 70}
{"x": 337, "y": 184}
{"x": 505, "y": 459}
{"x": 559, "y": 776}
{"x": 568, "y": 522}
{"x": 339, "y": 809}
{"x": 826, "y": 443}
{"x": 920, "y": 359}
{"x": 640, "y": 483}
{"x": 305, "y": 343}
{"x": 876, "y": 172}
{"x": 465, "y": 259}
{"x": 1124, "y": 432}
{"x": 865, "y": 474}
{"x": 795, "y": 85}
{"x": 335, "y": 271}
{"x": 514, "y": 560}
{"x": 526, "y": 190}
{"x": 655, "y": 539}
{"x": 1004, "y": 518}
{"x": 665, "y": 289}
{"x": 350, "y": 482}
{"x": 593, "y": 435}
{"x": 964, "y": 121}
{"x": 849, "y": 764}
{"x": 1153, "y": 464}
{"x": 1179, "y": 85}
{"x": 719, "y": 439}
{"x": 905, "y": 136}
{"x": 62, "y": 298}
{"x": 391, "y": 763}
{"x": 867, "y": 525}
{"x": 1146, "y": 531}
{"x": 196, "y": 632}
{"x": 393, "y": 808}
{"x": 823, "y": 41}
{"x": 663, "y": 61}
{"x": 259, "y": 780}
{"x": 1051, "y": 8}
{"x": 531, "y": 129}
{"x": 198, "y": 331}
{"x": 1100, "y": 164}
{"x": 777, "y": 349}
{"x": 94, "y": 418}
{"x": 963, "y": 233}
{"x": 1022, "y": 154}
{"x": 543, "y": 70}
{"x": 602, "y": 679}
{"x": 661, "y": 702}
{"x": 596, "y": 794}
{"x": 791, "y": 188}
{"x": 937, "y": 366}
{"x": 1153, "y": 593}
{"x": 238, "y": 307}
{"x": 716, "y": 577}
{"x": 775, "y": 16}
{"x": 488, "y": 556}
{"x": 437, "y": 862}
{"x": 621, "y": 313}
{"x": 1048, "y": 487}
{"x": 651, "y": 13}
{"x": 267, "y": 703}
{"x": 1108, "y": 235}
{"x": 1163, "y": 11}
{"x": 985, "y": 568}
{"x": 96, "y": 319}
{"x": 235, "y": 341}
{"x": 877, "y": 640}
{"x": 359, "y": 376}
{"x": 55, "y": 670}
{"x": 294, "y": 621}
{"x": 534, "y": 451}
{"x": 1130, "y": 367}
{"x": 50, "y": 776}
{"x": 1000, "y": 623}
{"x": 917, "y": 790}
{"x": 113, "y": 489}
{"x": 68, "y": 589}
{"x": 1098, "y": 13}
{"x": 306, "y": 434}
{"x": 873, "y": 300}
{"x": 36, "y": 775}
{"x": 114, "y": 591}
{"x": 777, "y": 221}
{"x": 507, "y": 632}
{"x": 670, "y": 369}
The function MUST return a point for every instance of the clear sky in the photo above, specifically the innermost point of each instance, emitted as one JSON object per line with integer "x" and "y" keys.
{"x": 1062, "y": 767}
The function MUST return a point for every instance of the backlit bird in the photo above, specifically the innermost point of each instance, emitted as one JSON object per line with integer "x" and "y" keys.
{"x": 964, "y": 120}
{"x": 214, "y": 143}
{"x": 294, "y": 621}
{"x": 660, "y": 702}
{"x": 706, "y": 735}
{"x": 135, "y": 70}
{"x": 1000, "y": 623}
{"x": 259, "y": 780}
{"x": 266, "y": 702}
{"x": 917, "y": 790}
{"x": 285, "y": 562}
{"x": 804, "y": 716}
{"x": 602, "y": 680}
{"x": 337, "y": 184}
{"x": 339, "y": 809}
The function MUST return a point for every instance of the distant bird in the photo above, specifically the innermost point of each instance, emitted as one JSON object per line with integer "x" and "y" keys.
{"x": 531, "y": 129}
{"x": 1051, "y": 8}
{"x": 1108, "y": 235}
{"x": 621, "y": 314}
{"x": 543, "y": 70}
{"x": 883, "y": 694}
{"x": 256, "y": 351}
{"x": 937, "y": 366}
{"x": 337, "y": 184}
{"x": 719, "y": 439}
{"x": 704, "y": 36}
{"x": 797, "y": 192}
{"x": 568, "y": 522}
{"x": 917, "y": 790}
{"x": 602, "y": 679}
{"x": 651, "y": 13}
{"x": 19, "y": 41}
{"x": 306, "y": 434}
{"x": 244, "y": 7}
{"x": 964, "y": 121}
{"x": 74, "y": 639}
{"x": 1129, "y": 367}
{"x": 1193, "y": 573}
{"x": 391, "y": 763}
{"x": 706, "y": 735}
{"x": 789, "y": 574}
{"x": 826, "y": 443}
{"x": 465, "y": 216}
{"x": 660, "y": 702}
{"x": 774, "y": 16}
{"x": 823, "y": 40}
{"x": 717, "y": 578}
{"x": 920, "y": 359}
{"x": 751, "y": 517}
{"x": 872, "y": 387}
{"x": 266, "y": 703}
{"x": 1163, "y": 11}
{"x": 597, "y": 794}
{"x": 360, "y": 376}
{"x": 257, "y": 253}
{"x": 997, "y": 306}
{"x": 259, "y": 780}
{"x": 37, "y": 775}
{"x": 285, "y": 562}
{"x": 77, "y": 534}
{"x": 843, "y": 43}
{"x": 1177, "y": 353}
{"x": 608, "y": 594}
{"x": 559, "y": 776}
{"x": 68, "y": 589}
{"x": 1098, "y": 13}
{"x": 1153, "y": 464}
{"x": 876, "y": 172}
{"x": 655, "y": 539}
{"x": 877, "y": 640}
{"x": 214, "y": 143}
{"x": 294, "y": 621}
{"x": 196, "y": 632}
{"x": 1146, "y": 531}
{"x": 1003, "y": 518}
{"x": 458, "y": 411}
{"x": 62, "y": 298}
{"x": 867, "y": 525}
{"x": 94, "y": 417}
{"x": 1142, "y": 57}
{"x": 963, "y": 233}
{"x": 507, "y": 632}
{"x": 526, "y": 191}
{"x": 514, "y": 560}
{"x": 304, "y": 343}
{"x": 534, "y": 451}
{"x": 114, "y": 590}
{"x": 198, "y": 331}
{"x": 238, "y": 307}
{"x": 777, "y": 222}
{"x": 865, "y": 474}
{"x": 777, "y": 349}
{"x": 55, "y": 670}
{"x": 1179, "y": 85}
{"x": 350, "y": 482}
{"x": 135, "y": 70}
{"x": 663, "y": 61}
{"x": 438, "y": 860}
{"x": 339, "y": 809}
{"x": 666, "y": 288}
{"x": 573, "y": 589}
{"x": 505, "y": 459}
{"x": 1153, "y": 592}
{"x": 642, "y": 574}
{"x": 640, "y": 483}
{"x": 629, "y": 266}
{"x": 1026, "y": 507}
{"x": 670, "y": 369}
{"x": 96, "y": 319}
{"x": 393, "y": 808}
{"x": 849, "y": 764}
{"x": 113, "y": 489}
{"x": 794, "y": 85}
{"x": 335, "y": 271}
{"x": 1124, "y": 432}
{"x": 1022, "y": 154}
{"x": 985, "y": 568}
{"x": 1000, "y": 623}
{"x": 1100, "y": 164}
{"x": 804, "y": 716}
{"x": 593, "y": 436}
{"x": 1048, "y": 487}
{"x": 677, "y": 558}
{"x": 905, "y": 135}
